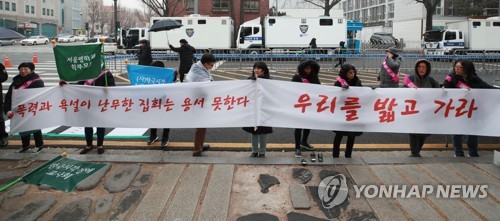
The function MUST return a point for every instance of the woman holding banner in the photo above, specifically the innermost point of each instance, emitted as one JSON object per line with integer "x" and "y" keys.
{"x": 27, "y": 78}
{"x": 420, "y": 79}
{"x": 348, "y": 76}
{"x": 388, "y": 75}
{"x": 464, "y": 76}
{"x": 307, "y": 72}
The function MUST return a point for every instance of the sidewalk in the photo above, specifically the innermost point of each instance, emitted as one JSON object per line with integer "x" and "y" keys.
{"x": 223, "y": 185}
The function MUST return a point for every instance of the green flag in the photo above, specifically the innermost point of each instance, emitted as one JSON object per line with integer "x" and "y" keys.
{"x": 63, "y": 174}
{"x": 78, "y": 62}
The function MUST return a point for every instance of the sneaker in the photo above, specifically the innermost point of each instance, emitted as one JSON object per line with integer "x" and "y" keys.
{"x": 303, "y": 162}
{"x": 254, "y": 155}
{"x": 205, "y": 147}
{"x": 313, "y": 157}
{"x": 37, "y": 149}
{"x": 85, "y": 150}
{"x": 320, "y": 157}
{"x": 298, "y": 154}
{"x": 100, "y": 149}
{"x": 4, "y": 142}
{"x": 262, "y": 154}
{"x": 415, "y": 155}
{"x": 473, "y": 155}
{"x": 151, "y": 141}
{"x": 335, "y": 156}
{"x": 164, "y": 144}
{"x": 23, "y": 149}
{"x": 459, "y": 155}
{"x": 197, "y": 153}
{"x": 307, "y": 146}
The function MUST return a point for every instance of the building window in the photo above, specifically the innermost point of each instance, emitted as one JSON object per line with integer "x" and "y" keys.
{"x": 220, "y": 6}
{"x": 13, "y": 6}
{"x": 51, "y": 12}
{"x": 1, "y": 5}
{"x": 62, "y": 1}
{"x": 62, "y": 17}
{"x": 391, "y": 11}
{"x": 251, "y": 6}
{"x": 27, "y": 9}
{"x": 32, "y": 9}
{"x": 382, "y": 12}
{"x": 43, "y": 11}
{"x": 189, "y": 5}
{"x": 7, "y": 8}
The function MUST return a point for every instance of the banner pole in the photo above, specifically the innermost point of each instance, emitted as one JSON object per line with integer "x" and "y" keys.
{"x": 64, "y": 154}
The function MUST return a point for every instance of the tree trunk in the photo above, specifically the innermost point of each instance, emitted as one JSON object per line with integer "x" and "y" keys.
{"x": 327, "y": 9}
{"x": 428, "y": 20}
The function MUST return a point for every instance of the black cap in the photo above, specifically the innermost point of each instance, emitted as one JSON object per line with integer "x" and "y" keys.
{"x": 183, "y": 41}
{"x": 29, "y": 65}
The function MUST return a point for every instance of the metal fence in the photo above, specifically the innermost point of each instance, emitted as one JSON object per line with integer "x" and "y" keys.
{"x": 486, "y": 62}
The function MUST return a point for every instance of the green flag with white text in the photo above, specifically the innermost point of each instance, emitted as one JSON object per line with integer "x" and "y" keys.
{"x": 63, "y": 173}
{"x": 78, "y": 62}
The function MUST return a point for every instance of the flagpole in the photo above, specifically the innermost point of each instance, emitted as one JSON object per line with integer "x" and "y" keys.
{"x": 104, "y": 61}
{"x": 64, "y": 154}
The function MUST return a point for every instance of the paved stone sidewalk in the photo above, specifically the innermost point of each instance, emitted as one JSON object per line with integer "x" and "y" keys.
{"x": 156, "y": 185}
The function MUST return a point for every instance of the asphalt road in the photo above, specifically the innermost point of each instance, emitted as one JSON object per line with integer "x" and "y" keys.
{"x": 230, "y": 70}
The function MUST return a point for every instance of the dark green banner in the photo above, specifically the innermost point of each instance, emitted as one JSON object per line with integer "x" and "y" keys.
{"x": 63, "y": 174}
{"x": 79, "y": 62}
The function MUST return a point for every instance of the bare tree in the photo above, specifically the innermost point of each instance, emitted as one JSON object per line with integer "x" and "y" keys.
{"x": 166, "y": 8}
{"x": 327, "y": 5}
{"x": 144, "y": 14}
{"x": 106, "y": 19}
{"x": 430, "y": 7}
{"x": 94, "y": 14}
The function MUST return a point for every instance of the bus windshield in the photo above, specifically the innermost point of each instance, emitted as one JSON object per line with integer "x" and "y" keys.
{"x": 433, "y": 36}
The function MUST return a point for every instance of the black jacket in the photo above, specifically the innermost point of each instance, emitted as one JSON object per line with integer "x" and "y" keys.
{"x": 473, "y": 81}
{"x": 186, "y": 55}
{"x": 144, "y": 56}
{"x": 313, "y": 77}
{"x": 18, "y": 81}
{"x": 3, "y": 77}
{"x": 101, "y": 81}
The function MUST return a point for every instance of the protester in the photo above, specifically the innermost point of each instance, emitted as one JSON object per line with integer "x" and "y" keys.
{"x": 27, "y": 78}
{"x": 259, "y": 134}
{"x": 200, "y": 72}
{"x": 420, "y": 79}
{"x": 388, "y": 75}
{"x": 307, "y": 72}
{"x": 144, "y": 54}
{"x": 104, "y": 79}
{"x": 312, "y": 46}
{"x": 348, "y": 76}
{"x": 341, "y": 50}
{"x": 464, "y": 76}
{"x": 152, "y": 131}
{"x": 186, "y": 57}
{"x": 4, "y": 141}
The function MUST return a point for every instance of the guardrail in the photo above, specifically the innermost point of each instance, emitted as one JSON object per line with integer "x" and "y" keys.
{"x": 279, "y": 59}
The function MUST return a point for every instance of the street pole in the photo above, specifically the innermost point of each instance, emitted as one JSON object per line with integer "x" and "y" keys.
{"x": 195, "y": 7}
{"x": 116, "y": 20}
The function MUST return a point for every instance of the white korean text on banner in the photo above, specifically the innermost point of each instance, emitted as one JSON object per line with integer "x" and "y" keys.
{"x": 278, "y": 104}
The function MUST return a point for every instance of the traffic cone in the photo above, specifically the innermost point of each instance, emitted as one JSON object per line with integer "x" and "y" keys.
{"x": 6, "y": 63}
{"x": 35, "y": 59}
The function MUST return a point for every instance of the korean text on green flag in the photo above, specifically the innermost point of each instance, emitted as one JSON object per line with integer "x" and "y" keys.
{"x": 78, "y": 62}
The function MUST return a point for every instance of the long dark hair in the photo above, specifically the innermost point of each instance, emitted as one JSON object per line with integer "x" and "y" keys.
{"x": 345, "y": 69}
{"x": 262, "y": 65}
{"x": 468, "y": 66}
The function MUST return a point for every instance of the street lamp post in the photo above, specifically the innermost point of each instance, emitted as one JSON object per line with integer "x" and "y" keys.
{"x": 81, "y": 23}
{"x": 116, "y": 20}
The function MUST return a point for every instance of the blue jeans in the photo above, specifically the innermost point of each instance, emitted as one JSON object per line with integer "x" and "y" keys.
{"x": 472, "y": 141}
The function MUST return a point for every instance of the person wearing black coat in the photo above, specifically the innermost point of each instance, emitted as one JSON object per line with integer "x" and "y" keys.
{"x": 27, "y": 78}
{"x": 259, "y": 134}
{"x": 153, "y": 137}
{"x": 464, "y": 75}
{"x": 144, "y": 54}
{"x": 307, "y": 72}
{"x": 105, "y": 79}
{"x": 349, "y": 76}
{"x": 186, "y": 56}
{"x": 4, "y": 141}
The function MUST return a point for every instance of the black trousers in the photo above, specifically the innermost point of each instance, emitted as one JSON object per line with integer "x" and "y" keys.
{"x": 89, "y": 132}
{"x": 153, "y": 135}
{"x": 25, "y": 140}
{"x": 349, "y": 145}
{"x": 417, "y": 142}
{"x": 301, "y": 136}
{"x": 3, "y": 134}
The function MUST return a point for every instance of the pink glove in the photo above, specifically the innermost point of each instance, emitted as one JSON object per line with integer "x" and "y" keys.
{"x": 10, "y": 115}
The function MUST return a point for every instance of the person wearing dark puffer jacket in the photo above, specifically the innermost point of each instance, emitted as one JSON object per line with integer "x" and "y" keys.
{"x": 27, "y": 78}
{"x": 348, "y": 76}
{"x": 4, "y": 141}
{"x": 144, "y": 55}
{"x": 420, "y": 79}
{"x": 104, "y": 79}
{"x": 186, "y": 56}
{"x": 307, "y": 72}
{"x": 464, "y": 76}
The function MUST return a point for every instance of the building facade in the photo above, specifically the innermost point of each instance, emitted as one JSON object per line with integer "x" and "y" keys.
{"x": 243, "y": 10}
{"x": 42, "y": 17}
